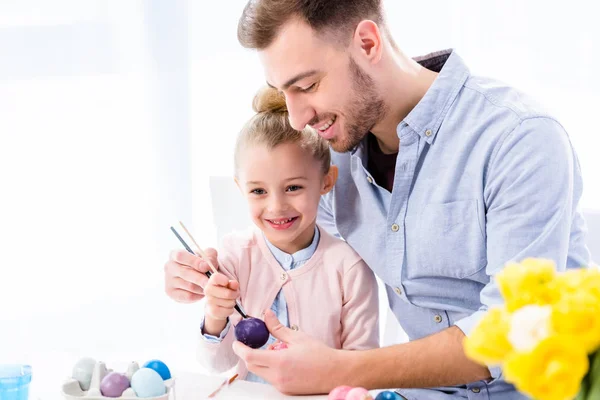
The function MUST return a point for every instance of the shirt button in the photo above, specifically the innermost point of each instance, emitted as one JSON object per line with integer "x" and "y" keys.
{"x": 437, "y": 318}
{"x": 294, "y": 327}
{"x": 283, "y": 276}
{"x": 475, "y": 390}
{"x": 369, "y": 179}
{"x": 428, "y": 132}
{"x": 398, "y": 291}
{"x": 395, "y": 227}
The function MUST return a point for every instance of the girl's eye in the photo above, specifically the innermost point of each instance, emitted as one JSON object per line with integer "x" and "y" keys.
{"x": 258, "y": 191}
{"x": 293, "y": 188}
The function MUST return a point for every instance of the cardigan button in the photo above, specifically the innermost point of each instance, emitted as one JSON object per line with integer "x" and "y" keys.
{"x": 294, "y": 327}
{"x": 283, "y": 276}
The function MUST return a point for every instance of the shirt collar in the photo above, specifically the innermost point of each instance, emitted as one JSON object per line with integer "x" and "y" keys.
{"x": 429, "y": 113}
{"x": 427, "y": 116}
{"x": 299, "y": 256}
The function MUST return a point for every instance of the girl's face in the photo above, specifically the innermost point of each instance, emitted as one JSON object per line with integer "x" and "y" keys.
{"x": 283, "y": 187}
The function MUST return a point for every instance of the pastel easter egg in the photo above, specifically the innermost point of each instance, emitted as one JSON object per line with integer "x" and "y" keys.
{"x": 252, "y": 332}
{"x": 278, "y": 346}
{"x": 114, "y": 384}
{"x": 358, "y": 394}
{"x": 83, "y": 371}
{"x": 339, "y": 393}
{"x": 147, "y": 382}
{"x": 388, "y": 395}
{"x": 159, "y": 367}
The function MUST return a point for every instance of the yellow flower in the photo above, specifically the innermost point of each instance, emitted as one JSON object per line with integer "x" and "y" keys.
{"x": 528, "y": 282}
{"x": 553, "y": 370}
{"x": 577, "y": 316}
{"x": 488, "y": 342}
{"x": 577, "y": 280}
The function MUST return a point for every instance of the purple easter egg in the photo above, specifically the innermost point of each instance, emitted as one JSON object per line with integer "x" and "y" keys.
{"x": 252, "y": 332}
{"x": 114, "y": 384}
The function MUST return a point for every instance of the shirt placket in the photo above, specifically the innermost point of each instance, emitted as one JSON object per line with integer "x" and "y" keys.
{"x": 395, "y": 230}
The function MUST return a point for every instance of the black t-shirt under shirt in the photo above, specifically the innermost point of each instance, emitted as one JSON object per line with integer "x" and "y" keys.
{"x": 381, "y": 166}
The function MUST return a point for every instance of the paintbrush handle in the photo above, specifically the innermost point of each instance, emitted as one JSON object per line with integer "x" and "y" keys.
{"x": 238, "y": 306}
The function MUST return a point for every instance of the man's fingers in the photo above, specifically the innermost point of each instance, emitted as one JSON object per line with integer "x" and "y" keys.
{"x": 183, "y": 296}
{"x": 186, "y": 273}
{"x": 211, "y": 253}
{"x": 279, "y": 331}
{"x": 185, "y": 258}
{"x": 255, "y": 358}
{"x": 182, "y": 284}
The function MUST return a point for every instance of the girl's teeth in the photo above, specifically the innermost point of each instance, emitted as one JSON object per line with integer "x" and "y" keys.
{"x": 281, "y": 222}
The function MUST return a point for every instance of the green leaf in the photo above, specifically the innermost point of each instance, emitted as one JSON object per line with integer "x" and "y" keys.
{"x": 593, "y": 378}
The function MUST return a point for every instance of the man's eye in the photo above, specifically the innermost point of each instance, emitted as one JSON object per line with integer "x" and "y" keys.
{"x": 309, "y": 88}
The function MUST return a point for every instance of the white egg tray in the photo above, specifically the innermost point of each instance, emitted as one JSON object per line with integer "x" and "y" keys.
{"x": 71, "y": 389}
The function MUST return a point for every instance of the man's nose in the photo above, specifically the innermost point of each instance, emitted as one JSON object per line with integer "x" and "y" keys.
{"x": 300, "y": 112}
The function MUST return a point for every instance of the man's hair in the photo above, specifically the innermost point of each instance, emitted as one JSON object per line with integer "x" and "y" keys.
{"x": 262, "y": 20}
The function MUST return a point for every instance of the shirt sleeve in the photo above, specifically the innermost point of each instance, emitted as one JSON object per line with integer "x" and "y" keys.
{"x": 213, "y": 338}
{"x": 360, "y": 308}
{"x": 216, "y": 353}
{"x": 325, "y": 218}
{"x": 531, "y": 193}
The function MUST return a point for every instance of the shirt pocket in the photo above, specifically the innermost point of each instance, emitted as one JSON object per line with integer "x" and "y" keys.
{"x": 449, "y": 241}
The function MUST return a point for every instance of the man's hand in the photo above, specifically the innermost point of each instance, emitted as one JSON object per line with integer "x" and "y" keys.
{"x": 306, "y": 366}
{"x": 185, "y": 275}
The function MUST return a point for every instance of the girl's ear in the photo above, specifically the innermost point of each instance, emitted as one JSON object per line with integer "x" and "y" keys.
{"x": 329, "y": 179}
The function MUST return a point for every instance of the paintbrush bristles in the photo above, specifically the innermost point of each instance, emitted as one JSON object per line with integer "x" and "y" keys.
{"x": 202, "y": 253}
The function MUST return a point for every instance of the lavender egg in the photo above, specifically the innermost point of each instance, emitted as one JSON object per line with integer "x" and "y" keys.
{"x": 252, "y": 332}
{"x": 114, "y": 384}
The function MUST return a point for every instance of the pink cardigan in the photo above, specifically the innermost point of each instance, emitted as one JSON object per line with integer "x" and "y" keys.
{"x": 332, "y": 297}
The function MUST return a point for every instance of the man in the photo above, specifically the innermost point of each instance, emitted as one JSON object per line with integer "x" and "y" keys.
{"x": 443, "y": 178}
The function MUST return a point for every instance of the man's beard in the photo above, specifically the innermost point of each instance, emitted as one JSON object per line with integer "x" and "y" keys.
{"x": 366, "y": 108}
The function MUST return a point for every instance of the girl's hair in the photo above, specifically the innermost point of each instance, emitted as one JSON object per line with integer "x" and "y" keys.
{"x": 271, "y": 127}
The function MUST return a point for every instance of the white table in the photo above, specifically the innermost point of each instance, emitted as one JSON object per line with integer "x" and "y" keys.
{"x": 190, "y": 386}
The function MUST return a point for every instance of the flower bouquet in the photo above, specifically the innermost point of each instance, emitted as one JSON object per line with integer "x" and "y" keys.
{"x": 546, "y": 336}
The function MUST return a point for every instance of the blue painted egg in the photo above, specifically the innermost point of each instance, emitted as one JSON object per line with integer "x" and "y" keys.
{"x": 146, "y": 382}
{"x": 388, "y": 395}
{"x": 159, "y": 367}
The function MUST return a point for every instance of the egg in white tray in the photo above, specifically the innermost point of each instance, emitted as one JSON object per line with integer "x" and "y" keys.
{"x": 88, "y": 375}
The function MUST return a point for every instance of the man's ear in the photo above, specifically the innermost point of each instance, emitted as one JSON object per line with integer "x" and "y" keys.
{"x": 329, "y": 179}
{"x": 368, "y": 41}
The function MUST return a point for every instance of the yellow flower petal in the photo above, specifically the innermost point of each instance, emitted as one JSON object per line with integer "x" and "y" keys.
{"x": 488, "y": 343}
{"x": 577, "y": 315}
{"x": 528, "y": 282}
{"x": 551, "y": 371}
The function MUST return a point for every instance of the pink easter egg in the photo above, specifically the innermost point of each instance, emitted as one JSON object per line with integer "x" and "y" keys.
{"x": 358, "y": 394}
{"x": 114, "y": 384}
{"x": 339, "y": 393}
{"x": 278, "y": 346}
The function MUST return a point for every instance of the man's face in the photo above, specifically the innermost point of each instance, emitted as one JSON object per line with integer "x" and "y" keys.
{"x": 323, "y": 86}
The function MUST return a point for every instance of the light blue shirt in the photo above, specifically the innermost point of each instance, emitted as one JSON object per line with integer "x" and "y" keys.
{"x": 288, "y": 262}
{"x": 483, "y": 176}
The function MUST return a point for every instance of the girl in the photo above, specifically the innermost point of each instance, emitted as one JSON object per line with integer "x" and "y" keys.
{"x": 312, "y": 281}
